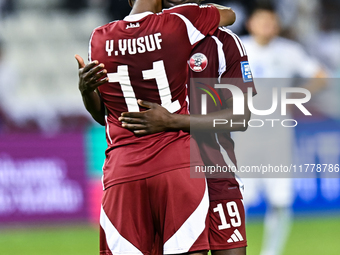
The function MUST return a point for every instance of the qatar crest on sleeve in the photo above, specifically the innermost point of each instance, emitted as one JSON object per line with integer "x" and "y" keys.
{"x": 198, "y": 62}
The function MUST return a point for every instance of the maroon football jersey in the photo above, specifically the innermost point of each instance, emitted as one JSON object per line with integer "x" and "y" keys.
{"x": 146, "y": 55}
{"x": 220, "y": 58}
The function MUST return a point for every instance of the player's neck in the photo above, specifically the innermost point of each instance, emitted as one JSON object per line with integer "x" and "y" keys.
{"x": 140, "y": 6}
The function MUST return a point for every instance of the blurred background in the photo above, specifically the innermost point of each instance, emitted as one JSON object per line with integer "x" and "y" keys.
{"x": 51, "y": 152}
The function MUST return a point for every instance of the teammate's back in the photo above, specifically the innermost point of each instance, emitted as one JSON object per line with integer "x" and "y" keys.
{"x": 146, "y": 55}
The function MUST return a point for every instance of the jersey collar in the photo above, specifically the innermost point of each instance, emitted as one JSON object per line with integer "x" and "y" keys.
{"x": 136, "y": 17}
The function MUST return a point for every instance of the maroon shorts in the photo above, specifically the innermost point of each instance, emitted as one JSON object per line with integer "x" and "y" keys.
{"x": 227, "y": 225}
{"x": 170, "y": 205}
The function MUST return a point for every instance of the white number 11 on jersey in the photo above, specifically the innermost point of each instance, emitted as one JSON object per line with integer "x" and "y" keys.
{"x": 158, "y": 73}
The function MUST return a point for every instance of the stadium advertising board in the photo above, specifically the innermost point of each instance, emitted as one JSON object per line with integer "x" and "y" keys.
{"x": 42, "y": 178}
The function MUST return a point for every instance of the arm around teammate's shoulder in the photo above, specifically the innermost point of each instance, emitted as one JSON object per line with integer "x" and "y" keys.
{"x": 227, "y": 15}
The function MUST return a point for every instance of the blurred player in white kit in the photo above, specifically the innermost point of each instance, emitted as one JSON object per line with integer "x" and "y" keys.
{"x": 271, "y": 56}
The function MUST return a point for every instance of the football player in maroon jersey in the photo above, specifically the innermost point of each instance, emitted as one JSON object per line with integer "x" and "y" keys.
{"x": 146, "y": 192}
{"x": 221, "y": 58}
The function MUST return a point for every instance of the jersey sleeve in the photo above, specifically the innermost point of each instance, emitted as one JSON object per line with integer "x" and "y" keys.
{"x": 200, "y": 20}
{"x": 236, "y": 70}
{"x": 90, "y": 46}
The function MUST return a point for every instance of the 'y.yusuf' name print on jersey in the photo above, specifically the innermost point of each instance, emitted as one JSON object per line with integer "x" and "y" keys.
{"x": 133, "y": 46}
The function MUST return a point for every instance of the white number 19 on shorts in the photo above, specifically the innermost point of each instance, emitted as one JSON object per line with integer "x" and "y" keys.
{"x": 234, "y": 215}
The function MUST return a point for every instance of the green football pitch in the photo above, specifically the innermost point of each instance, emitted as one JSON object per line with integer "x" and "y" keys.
{"x": 308, "y": 236}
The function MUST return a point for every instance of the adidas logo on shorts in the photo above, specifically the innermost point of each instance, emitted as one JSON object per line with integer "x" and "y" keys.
{"x": 236, "y": 237}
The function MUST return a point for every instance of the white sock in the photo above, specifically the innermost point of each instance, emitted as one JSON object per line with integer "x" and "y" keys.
{"x": 277, "y": 226}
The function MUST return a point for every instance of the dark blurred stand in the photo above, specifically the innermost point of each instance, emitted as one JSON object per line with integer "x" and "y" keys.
{"x": 74, "y": 5}
{"x": 7, "y": 7}
{"x": 117, "y": 9}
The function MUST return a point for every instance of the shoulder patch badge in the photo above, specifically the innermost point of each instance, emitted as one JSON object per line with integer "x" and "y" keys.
{"x": 198, "y": 62}
{"x": 246, "y": 72}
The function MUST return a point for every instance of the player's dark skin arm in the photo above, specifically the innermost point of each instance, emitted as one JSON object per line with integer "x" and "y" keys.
{"x": 91, "y": 76}
{"x": 158, "y": 119}
{"x": 227, "y": 15}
